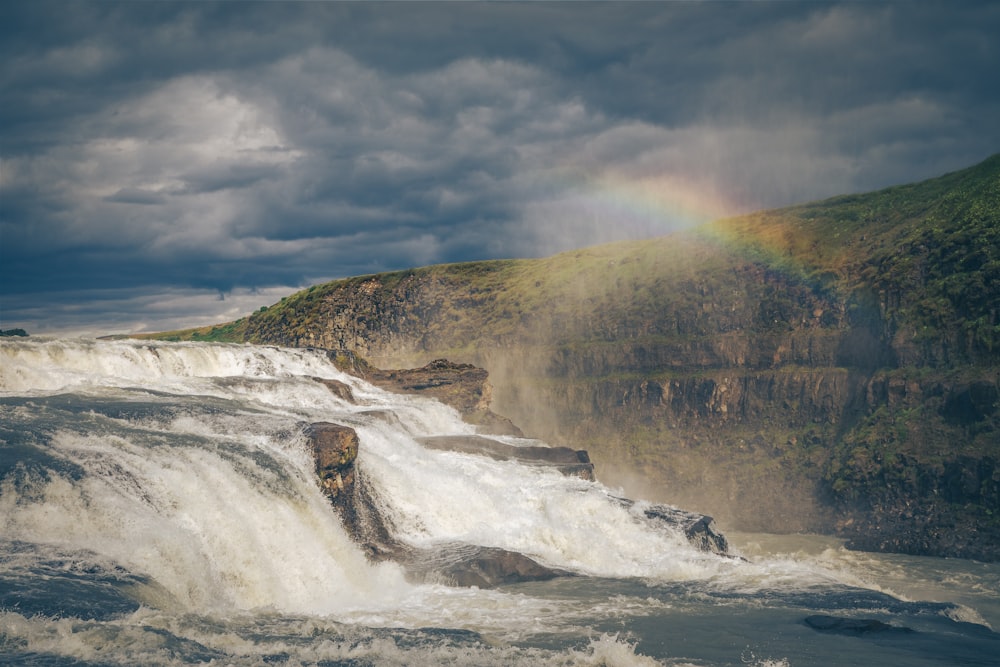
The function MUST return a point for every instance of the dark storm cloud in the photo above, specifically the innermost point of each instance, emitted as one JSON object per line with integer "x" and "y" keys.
{"x": 169, "y": 152}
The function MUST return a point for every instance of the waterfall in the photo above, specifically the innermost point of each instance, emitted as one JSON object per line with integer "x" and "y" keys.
{"x": 197, "y": 478}
{"x": 191, "y": 467}
{"x": 159, "y": 501}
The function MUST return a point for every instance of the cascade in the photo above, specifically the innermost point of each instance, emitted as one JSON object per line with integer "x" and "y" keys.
{"x": 160, "y": 504}
{"x": 190, "y": 465}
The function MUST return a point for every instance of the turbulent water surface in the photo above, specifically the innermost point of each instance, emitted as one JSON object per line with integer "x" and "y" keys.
{"x": 158, "y": 506}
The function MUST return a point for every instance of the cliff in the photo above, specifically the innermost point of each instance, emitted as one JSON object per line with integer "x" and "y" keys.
{"x": 828, "y": 367}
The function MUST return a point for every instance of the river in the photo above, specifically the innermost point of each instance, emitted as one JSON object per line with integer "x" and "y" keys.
{"x": 159, "y": 506}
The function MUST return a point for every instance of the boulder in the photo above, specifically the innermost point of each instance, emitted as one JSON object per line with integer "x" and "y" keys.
{"x": 853, "y": 627}
{"x": 699, "y": 529}
{"x": 459, "y": 564}
{"x": 335, "y": 449}
{"x": 337, "y": 388}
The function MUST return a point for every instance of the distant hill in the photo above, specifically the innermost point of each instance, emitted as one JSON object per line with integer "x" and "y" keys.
{"x": 827, "y": 367}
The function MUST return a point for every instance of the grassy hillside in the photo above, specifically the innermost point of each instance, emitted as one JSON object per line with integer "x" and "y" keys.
{"x": 232, "y": 332}
{"x": 927, "y": 255}
{"x": 845, "y": 352}
{"x": 928, "y": 252}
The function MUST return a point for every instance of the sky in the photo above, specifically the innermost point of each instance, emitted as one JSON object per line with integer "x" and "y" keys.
{"x": 176, "y": 164}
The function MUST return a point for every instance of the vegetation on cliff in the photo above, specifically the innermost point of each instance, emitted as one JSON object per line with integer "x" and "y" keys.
{"x": 831, "y": 366}
{"x": 232, "y": 332}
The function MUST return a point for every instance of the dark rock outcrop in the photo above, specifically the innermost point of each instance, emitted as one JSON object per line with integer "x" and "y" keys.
{"x": 461, "y": 386}
{"x": 854, "y": 627}
{"x": 335, "y": 449}
{"x": 470, "y": 565}
{"x": 338, "y": 389}
{"x": 699, "y": 529}
{"x": 573, "y": 462}
{"x": 883, "y": 516}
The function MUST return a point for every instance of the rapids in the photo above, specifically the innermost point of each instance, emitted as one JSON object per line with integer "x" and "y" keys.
{"x": 158, "y": 506}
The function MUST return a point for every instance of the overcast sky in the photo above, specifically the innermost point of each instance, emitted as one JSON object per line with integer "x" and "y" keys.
{"x": 174, "y": 164}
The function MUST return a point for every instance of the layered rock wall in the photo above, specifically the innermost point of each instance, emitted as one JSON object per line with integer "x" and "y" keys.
{"x": 776, "y": 384}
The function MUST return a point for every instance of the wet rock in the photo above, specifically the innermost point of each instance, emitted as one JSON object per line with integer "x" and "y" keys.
{"x": 337, "y": 388}
{"x": 335, "y": 449}
{"x": 452, "y": 564}
{"x": 350, "y": 362}
{"x": 469, "y": 565}
{"x": 362, "y": 518}
{"x": 572, "y": 462}
{"x": 13, "y": 332}
{"x": 853, "y": 627}
{"x": 699, "y": 529}
{"x": 462, "y": 386}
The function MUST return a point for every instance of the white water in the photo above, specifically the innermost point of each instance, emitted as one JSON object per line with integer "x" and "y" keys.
{"x": 256, "y": 538}
{"x": 187, "y": 467}
{"x": 210, "y": 525}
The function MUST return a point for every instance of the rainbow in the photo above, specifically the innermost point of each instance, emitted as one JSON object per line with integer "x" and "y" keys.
{"x": 671, "y": 201}
{"x": 632, "y": 208}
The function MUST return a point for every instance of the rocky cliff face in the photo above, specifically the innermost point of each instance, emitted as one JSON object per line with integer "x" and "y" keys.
{"x": 831, "y": 367}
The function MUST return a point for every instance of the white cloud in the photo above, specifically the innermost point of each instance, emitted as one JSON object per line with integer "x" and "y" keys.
{"x": 134, "y": 179}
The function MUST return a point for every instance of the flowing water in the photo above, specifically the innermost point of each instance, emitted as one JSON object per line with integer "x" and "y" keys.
{"x": 159, "y": 506}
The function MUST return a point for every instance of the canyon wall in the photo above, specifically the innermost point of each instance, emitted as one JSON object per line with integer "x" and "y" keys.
{"x": 832, "y": 367}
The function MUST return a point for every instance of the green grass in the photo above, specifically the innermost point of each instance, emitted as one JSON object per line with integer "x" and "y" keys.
{"x": 232, "y": 332}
